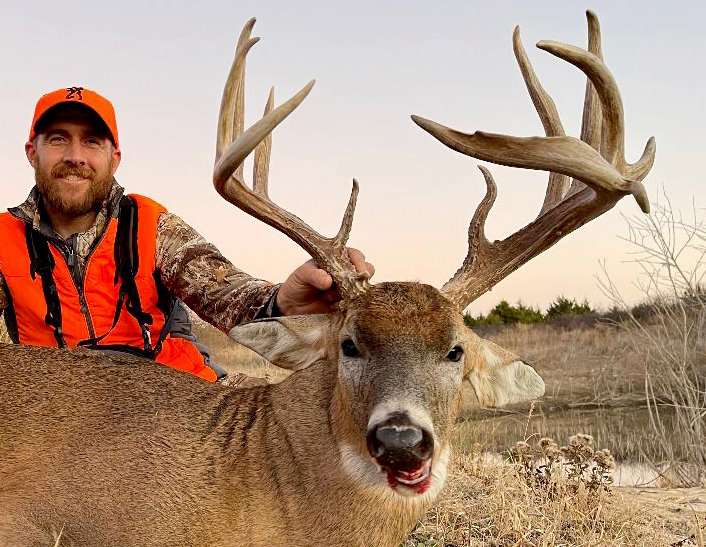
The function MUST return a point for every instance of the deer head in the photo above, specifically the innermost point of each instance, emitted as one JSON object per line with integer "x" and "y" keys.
{"x": 401, "y": 349}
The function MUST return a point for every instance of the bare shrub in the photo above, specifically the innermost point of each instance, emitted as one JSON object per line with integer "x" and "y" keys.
{"x": 668, "y": 333}
{"x": 487, "y": 503}
{"x": 4, "y": 337}
{"x": 555, "y": 471}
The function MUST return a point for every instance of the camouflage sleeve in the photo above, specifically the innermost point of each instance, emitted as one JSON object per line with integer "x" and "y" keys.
{"x": 195, "y": 271}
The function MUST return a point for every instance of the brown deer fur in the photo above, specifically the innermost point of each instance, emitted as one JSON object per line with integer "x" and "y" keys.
{"x": 116, "y": 451}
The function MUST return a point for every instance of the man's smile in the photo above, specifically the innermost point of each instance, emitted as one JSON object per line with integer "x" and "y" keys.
{"x": 73, "y": 179}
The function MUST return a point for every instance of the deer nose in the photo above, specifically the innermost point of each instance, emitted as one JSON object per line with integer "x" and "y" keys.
{"x": 398, "y": 442}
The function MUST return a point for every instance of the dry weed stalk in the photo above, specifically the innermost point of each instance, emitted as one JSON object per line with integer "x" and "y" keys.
{"x": 668, "y": 332}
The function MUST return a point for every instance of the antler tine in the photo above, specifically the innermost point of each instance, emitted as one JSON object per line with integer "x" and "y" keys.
{"x": 542, "y": 100}
{"x": 347, "y": 223}
{"x": 613, "y": 129}
{"x": 329, "y": 253}
{"x": 596, "y": 163}
{"x": 565, "y": 155}
{"x": 479, "y": 248}
{"x": 592, "y": 115}
{"x": 558, "y": 184}
{"x": 640, "y": 169}
{"x": 613, "y": 132}
{"x": 231, "y": 119}
{"x": 261, "y": 167}
{"x": 591, "y": 119}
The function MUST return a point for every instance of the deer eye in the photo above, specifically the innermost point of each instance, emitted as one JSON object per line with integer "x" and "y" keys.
{"x": 349, "y": 348}
{"x": 455, "y": 354}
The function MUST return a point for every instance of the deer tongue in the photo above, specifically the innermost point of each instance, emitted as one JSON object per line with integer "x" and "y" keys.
{"x": 418, "y": 479}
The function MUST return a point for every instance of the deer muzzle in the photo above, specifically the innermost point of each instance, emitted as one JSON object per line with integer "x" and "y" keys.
{"x": 403, "y": 450}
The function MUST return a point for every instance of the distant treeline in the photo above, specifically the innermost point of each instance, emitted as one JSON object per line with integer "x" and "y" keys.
{"x": 507, "y": 314}
{"x": 569, "y": 313}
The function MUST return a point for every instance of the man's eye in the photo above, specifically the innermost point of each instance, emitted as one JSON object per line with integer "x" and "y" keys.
{"x": 56, "y": 139}
{"x": 93, "y": 141}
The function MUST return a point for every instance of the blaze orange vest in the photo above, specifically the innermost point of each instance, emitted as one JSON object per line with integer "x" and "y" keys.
{"x": 88, "y": 312}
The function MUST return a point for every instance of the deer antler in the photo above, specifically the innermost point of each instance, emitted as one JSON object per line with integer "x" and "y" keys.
{"x": 596, "y": 162}
{"x": 233, "y": 145}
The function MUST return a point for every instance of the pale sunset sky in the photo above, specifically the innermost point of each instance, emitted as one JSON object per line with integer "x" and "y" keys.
{"x": 163, "y": 64}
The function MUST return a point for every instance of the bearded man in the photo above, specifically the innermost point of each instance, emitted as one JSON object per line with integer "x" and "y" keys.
{"x": 84, "y": 264}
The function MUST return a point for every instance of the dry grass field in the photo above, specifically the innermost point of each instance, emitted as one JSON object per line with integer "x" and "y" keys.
{"x": 488, "y": 504}
{"x": 581, "y": 367}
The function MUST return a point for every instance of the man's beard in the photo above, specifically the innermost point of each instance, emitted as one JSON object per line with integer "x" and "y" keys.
{"x": 90, "y": 200}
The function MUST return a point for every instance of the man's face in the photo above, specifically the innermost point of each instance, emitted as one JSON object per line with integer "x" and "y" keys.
{"x": 74, "y": 162}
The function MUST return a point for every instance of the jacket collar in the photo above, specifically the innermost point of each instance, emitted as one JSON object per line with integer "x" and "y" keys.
{"x": 31, "y": 211}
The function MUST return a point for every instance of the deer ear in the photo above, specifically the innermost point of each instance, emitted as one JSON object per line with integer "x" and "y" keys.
{"x": 499, "y": 377}
{"x": 292, "y": 343}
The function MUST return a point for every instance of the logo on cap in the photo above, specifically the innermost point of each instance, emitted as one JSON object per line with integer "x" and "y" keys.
{"x": 74, "y": 93}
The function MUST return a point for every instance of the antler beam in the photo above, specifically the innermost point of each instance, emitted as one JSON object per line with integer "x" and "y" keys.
{"x": 596, "y": 162}
{"x": 234, "y": 144}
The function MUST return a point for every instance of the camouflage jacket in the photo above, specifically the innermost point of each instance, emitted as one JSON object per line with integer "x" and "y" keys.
{"x": 192, "y": 269}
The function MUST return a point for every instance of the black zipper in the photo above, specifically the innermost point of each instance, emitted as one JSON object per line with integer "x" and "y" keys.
{"x": 68, "y": 251}
{"x": 78, "y": 275}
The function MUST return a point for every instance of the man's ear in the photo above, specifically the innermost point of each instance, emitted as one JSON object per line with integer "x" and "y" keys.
{"x": 292, "y": 342}
{"x": 499, "y": 377}
{"x": 115, "y": 160}
{"x": 31, "y": 153}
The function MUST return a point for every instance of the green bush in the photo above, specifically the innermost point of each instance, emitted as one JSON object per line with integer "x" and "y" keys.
{"x": 506, "y": 314}
{"x": 520, "y": 313}
{"x": 567, "y": 306}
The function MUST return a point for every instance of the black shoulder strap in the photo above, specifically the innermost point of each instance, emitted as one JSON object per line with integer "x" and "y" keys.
{"x": 42, "y": 263}
{"x": 9, "y": 315}
{"x": 127, "y": 262}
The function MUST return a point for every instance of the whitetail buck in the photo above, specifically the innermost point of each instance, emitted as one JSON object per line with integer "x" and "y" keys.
{"x": 352, "y": 449}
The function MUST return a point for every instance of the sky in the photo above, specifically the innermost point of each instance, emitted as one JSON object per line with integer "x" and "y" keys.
{"x": 163, "y": 64}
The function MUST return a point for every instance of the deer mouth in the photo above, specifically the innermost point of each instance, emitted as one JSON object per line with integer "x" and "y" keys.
{"x": 403, "y": 450}
{"x": 417, "y": 479}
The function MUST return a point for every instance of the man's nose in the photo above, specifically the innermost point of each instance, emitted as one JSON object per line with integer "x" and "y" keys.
{"x": 74, "y": 153}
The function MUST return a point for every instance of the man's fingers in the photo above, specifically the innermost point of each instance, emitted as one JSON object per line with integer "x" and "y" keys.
{"x": 309, "y": 289}
{"x": 357, "y": 258}
{"x": 316, "y": 277}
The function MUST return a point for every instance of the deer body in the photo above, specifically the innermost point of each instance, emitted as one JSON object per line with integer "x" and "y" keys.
{"x": 133, "y": 454}
{"x": 117, "y": 451}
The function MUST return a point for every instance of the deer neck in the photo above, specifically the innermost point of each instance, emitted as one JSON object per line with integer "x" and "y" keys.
{"x": 305, "y": 449}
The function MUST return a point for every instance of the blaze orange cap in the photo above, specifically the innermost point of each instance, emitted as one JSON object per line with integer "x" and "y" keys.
{"x": 99, "y": 104}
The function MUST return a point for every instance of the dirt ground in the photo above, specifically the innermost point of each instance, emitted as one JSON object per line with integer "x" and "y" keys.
{"x": 681, "y": 510}
{"x": 672, "y": 503}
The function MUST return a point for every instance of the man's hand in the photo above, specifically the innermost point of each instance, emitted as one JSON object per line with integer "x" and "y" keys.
{"x": 309, "y": 289}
